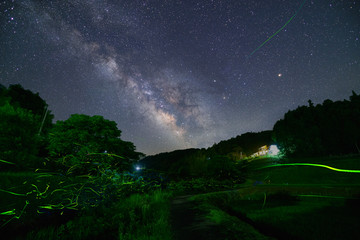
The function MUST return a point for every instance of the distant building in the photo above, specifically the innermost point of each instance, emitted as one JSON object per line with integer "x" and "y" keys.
{"x": 261, "y": 152}
{"x": 265, "y": 150}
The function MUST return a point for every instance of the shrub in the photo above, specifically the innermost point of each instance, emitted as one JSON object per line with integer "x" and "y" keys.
{"x": 19, "y": 141}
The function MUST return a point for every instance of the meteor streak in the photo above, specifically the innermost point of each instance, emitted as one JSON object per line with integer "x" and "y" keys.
{"x": 279, "y": 29}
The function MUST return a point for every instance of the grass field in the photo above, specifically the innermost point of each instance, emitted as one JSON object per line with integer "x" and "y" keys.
{"x": 283, "y": 202}
{"x": 292, "y": 202}
{"x": 51, "y": 206}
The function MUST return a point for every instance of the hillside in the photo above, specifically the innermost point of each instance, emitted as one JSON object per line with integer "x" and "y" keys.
{"x": 194, "y": 161}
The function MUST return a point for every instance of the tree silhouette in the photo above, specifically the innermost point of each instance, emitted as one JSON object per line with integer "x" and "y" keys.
{"x": 332, "y": 128}
{"x": 26, "y": 99}
{"x": 82, "y": 136}
{"x": 22, "y": 116}
{"x": 19, "y": 141}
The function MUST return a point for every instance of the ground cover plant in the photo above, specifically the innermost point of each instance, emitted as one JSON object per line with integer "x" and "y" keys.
{"x": 112, "y": 205}
{"x": 140, "y": 216}
{"x": 299, "y": 202}
{"x": 77, "y": 179}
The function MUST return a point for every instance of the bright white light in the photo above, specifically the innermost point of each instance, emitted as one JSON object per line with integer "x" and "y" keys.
{"x": 138, "y": 168}
{"x": 273, "y": 150}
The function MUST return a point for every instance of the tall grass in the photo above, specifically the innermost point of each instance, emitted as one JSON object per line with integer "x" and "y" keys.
{"x": 140, "y": 216}
{"x": 103, "y": 210}
{"x": 283, "y": 215}
{"x": 146, "y": 217}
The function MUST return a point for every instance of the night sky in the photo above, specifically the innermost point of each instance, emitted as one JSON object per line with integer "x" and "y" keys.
{"x": 181, "y": 74}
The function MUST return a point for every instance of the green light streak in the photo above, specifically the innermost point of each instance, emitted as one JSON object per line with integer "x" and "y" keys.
{"x": 17, "y": 217}
{"x": 6, "y": 162}
{"x": 11, "y": 212}
{"x": 72, "y": 205}
{"x": 22, "y": 211}
{"x": 16, "y": 194}
{"x": 107, "y": 154}
{"x": 93, "y": 191}
{"x": 57, "y": 190}
{"x": 39, "y": 194}
{"x": 321, "y": 196}
{"x": 313, "y": 165}
{"x": 264, "y": 200}
{"x": 279, "y": 29}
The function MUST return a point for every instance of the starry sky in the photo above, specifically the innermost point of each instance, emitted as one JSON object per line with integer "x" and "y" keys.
{"x": 178, "y": 74}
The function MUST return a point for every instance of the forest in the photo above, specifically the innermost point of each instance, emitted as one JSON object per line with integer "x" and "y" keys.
{"x": 77, "y": 179}
{"x": 327, "y": 129}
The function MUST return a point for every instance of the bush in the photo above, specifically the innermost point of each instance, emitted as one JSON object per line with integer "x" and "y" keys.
{"x": 19, "y": 140}
{"x": 82, "y": 141}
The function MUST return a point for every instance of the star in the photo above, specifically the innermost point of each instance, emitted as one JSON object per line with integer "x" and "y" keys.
{"x": 173, "y": 70}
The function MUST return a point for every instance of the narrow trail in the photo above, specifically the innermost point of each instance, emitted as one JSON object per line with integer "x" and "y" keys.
{"x": 191, "y": 223}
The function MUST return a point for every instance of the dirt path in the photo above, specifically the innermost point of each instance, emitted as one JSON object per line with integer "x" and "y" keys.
{"x": 190, "y": 223}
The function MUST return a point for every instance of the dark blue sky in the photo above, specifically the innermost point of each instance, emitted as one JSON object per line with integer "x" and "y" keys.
{"x": 180, "y": 74}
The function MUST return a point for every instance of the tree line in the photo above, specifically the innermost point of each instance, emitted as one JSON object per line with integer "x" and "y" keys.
{"x": 30, "y": 139}
{"x": 330, "y": 128}
{"x": 218, "y": 161}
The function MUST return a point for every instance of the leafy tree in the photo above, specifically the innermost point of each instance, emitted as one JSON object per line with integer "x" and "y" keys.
{"x": 26, "y": 99}
{"x": 352, "y": 123}
{"x": 243, "y": 145}
{"x": 18, "y": 97}
{"x": 3, "y": 97}
{"x": 19, "y": 141}
{"x": 221, "y": 167}
{"x": 179, "y": 163}
{"x": 216, "y": 161}
{"x": 194, "y": 164}
{"x": 298, "y": 133}
{"x": 22, "y": 116}
{"x": 82, "y": 137}
{"x": 331, "y": 128}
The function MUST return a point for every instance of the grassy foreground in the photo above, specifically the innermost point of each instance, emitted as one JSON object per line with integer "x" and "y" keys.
{"x": 285, "y": 202}
{"x": 50, "y": 206}
{"x": 137, "y": 217}
{"x": 284, "y": 216}
{"x": 292, "y": 202}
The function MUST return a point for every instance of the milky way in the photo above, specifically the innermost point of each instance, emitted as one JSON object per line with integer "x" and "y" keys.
{"x": 181, "y": 74}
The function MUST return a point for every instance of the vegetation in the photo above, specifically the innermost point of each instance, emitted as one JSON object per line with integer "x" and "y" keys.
{"x": 19, "y": 141}
{"x": 221, "y": 161}
{"x": 76, "y": 179}
{"x": 82, "y": 210}
{"x": 82, "y": 141}
{"x": 329, "y": 129}
{"x": 295, "y": 203}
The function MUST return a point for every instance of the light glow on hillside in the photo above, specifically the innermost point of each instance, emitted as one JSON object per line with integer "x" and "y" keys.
{"x": 273, "y": 150}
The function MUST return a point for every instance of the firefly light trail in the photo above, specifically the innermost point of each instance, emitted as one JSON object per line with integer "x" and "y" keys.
{"x": 279, "y": 29}
{"x": 314, "y": 165}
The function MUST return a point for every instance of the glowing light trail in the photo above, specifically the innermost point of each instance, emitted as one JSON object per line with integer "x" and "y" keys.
{"x": 16, "y": 194}
{"x": 313, "y": 165}
{"x": 279, "y": 29}
{"x": 6, "y": 162}
{"x": 321, "y": 196}
{"x": 12, "y": 212}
